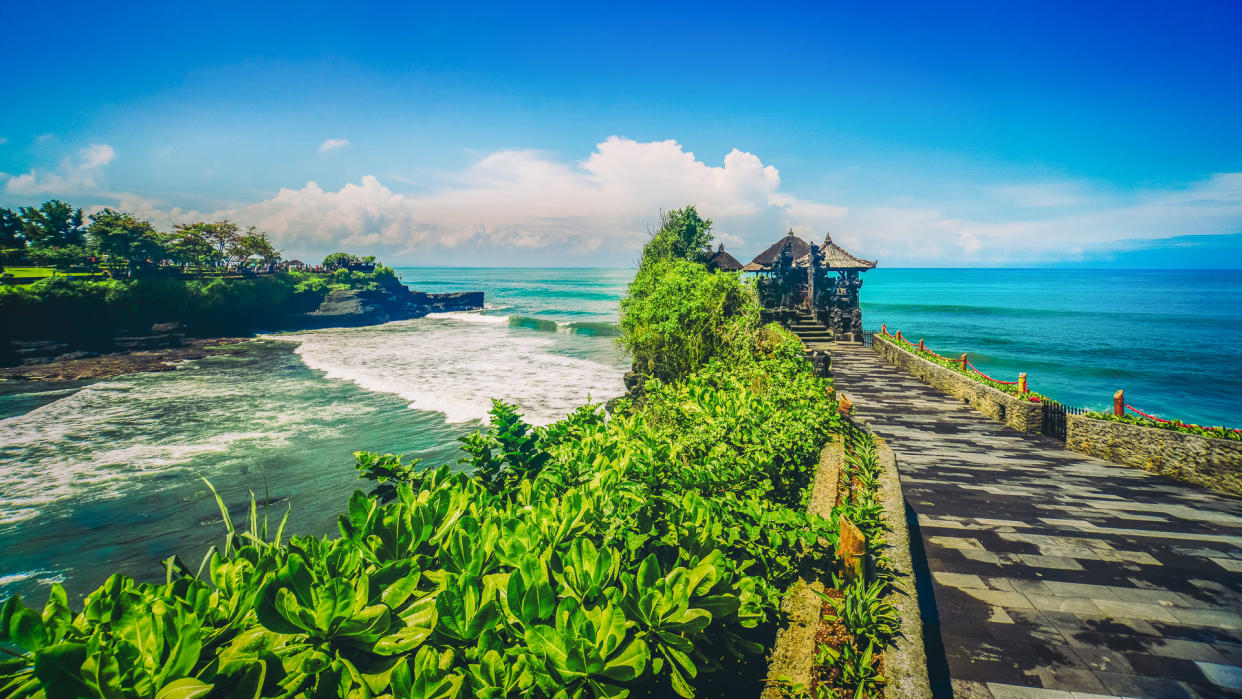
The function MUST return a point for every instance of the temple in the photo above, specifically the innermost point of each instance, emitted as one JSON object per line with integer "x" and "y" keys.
{"x": 797, "y": 278}
{"x": 722, "y": 261}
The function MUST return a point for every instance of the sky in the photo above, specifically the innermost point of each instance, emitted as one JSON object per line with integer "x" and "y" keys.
{"x": 920, "y": 134}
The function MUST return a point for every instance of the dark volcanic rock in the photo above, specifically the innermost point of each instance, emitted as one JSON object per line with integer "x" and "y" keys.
{"x": 163, "y": 344}
{"x": 77, "y": 367}
{"x": 353, "y": 307}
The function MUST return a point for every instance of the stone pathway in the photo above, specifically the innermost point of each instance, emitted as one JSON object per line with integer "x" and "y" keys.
{"x": 1055, "y": 574}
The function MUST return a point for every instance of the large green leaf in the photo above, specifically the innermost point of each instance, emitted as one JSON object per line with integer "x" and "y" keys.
{"x": 185, "y": 688}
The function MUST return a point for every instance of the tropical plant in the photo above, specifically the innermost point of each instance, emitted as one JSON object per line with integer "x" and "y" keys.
{"x": 677, "y": 315}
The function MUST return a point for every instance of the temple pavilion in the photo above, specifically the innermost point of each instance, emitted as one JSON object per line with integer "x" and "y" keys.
{"x": 797, "y": 277}
{"x": 721, "y": 260}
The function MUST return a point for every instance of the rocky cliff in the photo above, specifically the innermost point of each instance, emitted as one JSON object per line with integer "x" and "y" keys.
{"x": 352, "y": 307}
{"x": 156, "y": 347}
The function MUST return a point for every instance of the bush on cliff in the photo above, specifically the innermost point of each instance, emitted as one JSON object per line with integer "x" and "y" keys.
{"x": 678, "y": 315}
{"x": 682, "y": 235}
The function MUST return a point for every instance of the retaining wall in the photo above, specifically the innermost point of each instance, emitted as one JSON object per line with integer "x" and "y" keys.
{"x": 1207, "y": 461}
{"x": 905, "y": 662}
{"x": 1021, "y": 415}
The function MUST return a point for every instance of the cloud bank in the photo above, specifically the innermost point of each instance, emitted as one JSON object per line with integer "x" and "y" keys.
{"x": 528, "y": 207}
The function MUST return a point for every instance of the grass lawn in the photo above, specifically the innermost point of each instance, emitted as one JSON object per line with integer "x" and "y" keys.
{"x": 29, "y": 275}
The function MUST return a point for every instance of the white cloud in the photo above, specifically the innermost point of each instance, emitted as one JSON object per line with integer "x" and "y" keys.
{"x": 333, "y": 144}
{"x": 526, "y": 205}
{"x": 72, "y": 177}
{"x": 969, "y": 243}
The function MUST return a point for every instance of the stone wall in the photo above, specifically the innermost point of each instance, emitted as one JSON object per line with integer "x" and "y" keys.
{"x": 1021, "y": 415}
{"x": 1207, "y": 461}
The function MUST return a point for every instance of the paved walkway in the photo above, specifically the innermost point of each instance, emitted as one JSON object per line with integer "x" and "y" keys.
{"x": 1050, "y": 569}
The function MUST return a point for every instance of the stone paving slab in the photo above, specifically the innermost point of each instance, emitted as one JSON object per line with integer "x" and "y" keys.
{"x": 1056, "y": 574}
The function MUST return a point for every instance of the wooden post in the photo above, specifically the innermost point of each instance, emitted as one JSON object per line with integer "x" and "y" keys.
{"x": 883, "y": 328}
{"x": 921, "y": 347}
{"x": 963, "y": 361}
{"x": 1022, "y": 384}
{"x": 1119, "y": 403}
{"x": 852, "y": 550}
{"x": 898, "y": 335}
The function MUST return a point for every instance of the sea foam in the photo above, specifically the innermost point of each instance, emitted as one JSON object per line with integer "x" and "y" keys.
{"x": 455, "y": 363}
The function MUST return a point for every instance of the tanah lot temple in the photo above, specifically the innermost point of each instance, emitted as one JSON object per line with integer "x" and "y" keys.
{"x": 801, "y": 282}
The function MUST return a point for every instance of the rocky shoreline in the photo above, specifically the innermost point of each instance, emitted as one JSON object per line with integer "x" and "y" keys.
{"x": 74, "y": 367}
{"x": 163, "y": 345}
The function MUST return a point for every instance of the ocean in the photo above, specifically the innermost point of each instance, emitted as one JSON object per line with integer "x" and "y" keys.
{"x": 1171, "y": 339}
{"x": 107, "y": 476}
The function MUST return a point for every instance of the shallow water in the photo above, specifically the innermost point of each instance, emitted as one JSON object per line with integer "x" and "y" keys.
{"x": 108, "y": 477}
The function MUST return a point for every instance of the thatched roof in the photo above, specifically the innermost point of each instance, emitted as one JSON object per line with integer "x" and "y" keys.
{"x": 797, "y": 246}
{"x": 835, "y": 257}
{"x": 723, "y": 260}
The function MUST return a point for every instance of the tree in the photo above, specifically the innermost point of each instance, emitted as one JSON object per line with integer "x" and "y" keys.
{"x": 254, "y": 243}
{"x": 219, "y": 236}
{"x": 682, "y": 235}
{"x": 55, "y": 224}
{"x": 11, "y": 229}
{"x": 187, "y": 245}
{"x": 121, "y": 236}
{"x": 339, "y": 260}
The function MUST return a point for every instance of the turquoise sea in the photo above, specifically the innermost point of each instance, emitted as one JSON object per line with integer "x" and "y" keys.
{"x": 107, "y": 476}
{"x": 1171, "y": 339}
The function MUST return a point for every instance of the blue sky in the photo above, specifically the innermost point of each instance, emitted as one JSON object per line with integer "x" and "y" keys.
{"x": 938, "y": 134}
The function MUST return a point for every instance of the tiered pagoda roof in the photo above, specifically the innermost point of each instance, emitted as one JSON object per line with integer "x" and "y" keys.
{"x": 798, "y": 247}
{"x": 723, "y": 261}
{"x": 834, "y": 256}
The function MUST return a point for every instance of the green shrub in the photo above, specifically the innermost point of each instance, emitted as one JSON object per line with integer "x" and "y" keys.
{"x": 678, "y": 315}
{"x": 682, "y": 235}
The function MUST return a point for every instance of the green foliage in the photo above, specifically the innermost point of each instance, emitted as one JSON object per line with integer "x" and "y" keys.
{"x": 682, "y": 235}
{"x": 589, "y": 558}
{"x": 339, "y": 260}
{"x": 849, "y": 667}
{"x": 10, "y": 229}
{"x": 61, "y": 307}
{"x": 858, "y": 669}
{"x": 254, "y": 246}
{"x": 677, "y": 315}
{"x": 865, "y": 613}
{"x": 53, "y": 224}
{"x": 1219, "y": 432}
{"x": 122, "y": 237}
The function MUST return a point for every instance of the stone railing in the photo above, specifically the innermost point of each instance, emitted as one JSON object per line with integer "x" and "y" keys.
{"x": 1021, "y": 415}
{"x": 1207, "y": 461}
